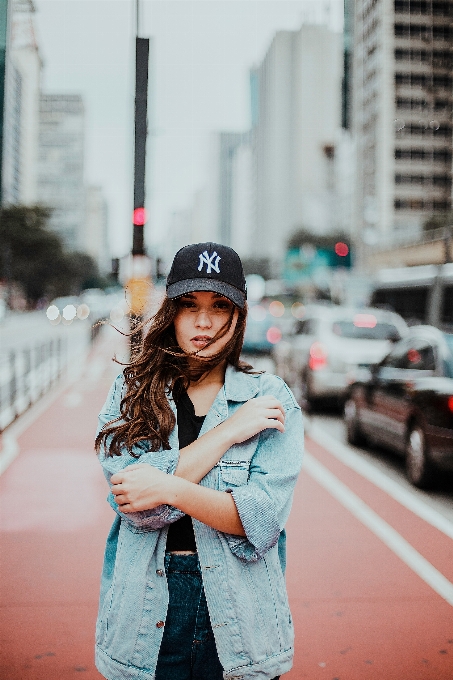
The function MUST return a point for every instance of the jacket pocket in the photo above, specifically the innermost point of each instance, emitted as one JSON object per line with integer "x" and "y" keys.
{"x": 233, "y": 474}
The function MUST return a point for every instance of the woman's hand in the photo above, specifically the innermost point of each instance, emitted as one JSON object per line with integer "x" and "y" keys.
{"x": 140, "y": 487}
{"x": 256, "y": 415}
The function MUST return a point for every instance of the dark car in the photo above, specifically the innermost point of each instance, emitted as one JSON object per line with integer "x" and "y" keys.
{"x": 405, "y": 403}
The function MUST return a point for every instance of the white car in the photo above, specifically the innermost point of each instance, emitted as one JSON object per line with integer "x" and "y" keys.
{"x": 329, "y": 344}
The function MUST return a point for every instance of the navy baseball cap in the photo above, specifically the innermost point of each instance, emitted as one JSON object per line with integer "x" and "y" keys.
{"x": 207, "y": 267}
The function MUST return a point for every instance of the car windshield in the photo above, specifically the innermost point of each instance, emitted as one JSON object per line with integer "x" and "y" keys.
{"x": 365, "y": 327}
{"x": 449, "y": 358}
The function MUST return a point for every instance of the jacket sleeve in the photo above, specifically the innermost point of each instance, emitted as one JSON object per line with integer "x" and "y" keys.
{"x": 264, "y": 503}
{"x": 163, "y": 460}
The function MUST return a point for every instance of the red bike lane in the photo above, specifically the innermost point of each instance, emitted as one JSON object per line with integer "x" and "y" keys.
{"x": 360, "y": 612}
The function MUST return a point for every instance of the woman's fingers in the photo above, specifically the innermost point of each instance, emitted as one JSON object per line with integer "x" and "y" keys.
{"x": 274, "y": 424}
{"x": 275, "y": 414}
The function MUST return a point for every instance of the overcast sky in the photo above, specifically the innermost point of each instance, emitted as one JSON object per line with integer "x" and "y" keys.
{"x": 202, "y": 53}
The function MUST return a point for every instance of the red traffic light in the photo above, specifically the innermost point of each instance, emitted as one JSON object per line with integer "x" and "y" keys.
{"x": 140, "y": 217}
{"x": 341, "y": 249}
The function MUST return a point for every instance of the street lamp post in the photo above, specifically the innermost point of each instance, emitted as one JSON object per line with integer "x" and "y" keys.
{"x": 139, "y": 285}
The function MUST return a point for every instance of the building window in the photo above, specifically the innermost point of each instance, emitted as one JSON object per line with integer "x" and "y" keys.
{"x": 441, "y": 206}
{"x": 420, "y": 204}
{"x": 422, "y": 31}
{"x": 442, "y": 181}
{"x": 436, "y": 155}
{"x": 436, "y": 7}
{"x": 441, "y": 104}
{"x": 412, "y": 104}
{"x": 421, "y": 80}
{"x": 422, "y": 130}
{"x": 442, "y": 58}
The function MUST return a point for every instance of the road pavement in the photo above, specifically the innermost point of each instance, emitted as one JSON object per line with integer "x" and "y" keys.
{"x": 370, "y": 571}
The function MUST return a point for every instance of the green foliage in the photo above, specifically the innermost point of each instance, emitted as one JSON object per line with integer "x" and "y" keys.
{"x": 439, "y": 221}
{"x": 303, "y": 237}
{"x": 34, "y": 257}
{"x": 256, "y": 265}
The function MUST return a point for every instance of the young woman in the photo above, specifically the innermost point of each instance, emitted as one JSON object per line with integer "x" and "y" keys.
{"x": 202, "y": 456}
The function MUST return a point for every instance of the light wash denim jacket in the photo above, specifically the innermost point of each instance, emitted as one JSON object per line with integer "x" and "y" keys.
{"x": 242, "y": 576}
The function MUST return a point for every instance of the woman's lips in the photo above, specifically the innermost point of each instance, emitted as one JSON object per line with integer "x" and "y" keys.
{"x": 200, "y": 341}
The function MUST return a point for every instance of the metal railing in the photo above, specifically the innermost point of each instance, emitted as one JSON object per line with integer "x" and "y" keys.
{"x": 27, "y": 374}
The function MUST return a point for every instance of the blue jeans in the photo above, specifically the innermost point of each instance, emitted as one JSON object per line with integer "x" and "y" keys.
{"x": 188, "y": 650}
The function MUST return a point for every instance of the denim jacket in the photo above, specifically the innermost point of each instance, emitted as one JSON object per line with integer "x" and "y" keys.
{"x": 242, "y": 576}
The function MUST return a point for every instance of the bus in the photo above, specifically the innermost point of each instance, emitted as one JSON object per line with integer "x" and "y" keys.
{"x": 422, "y": 294}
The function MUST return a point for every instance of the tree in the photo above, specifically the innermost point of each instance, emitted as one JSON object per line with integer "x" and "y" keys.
{"x": 303, "y": 237}
{"x": 439, "y": 221}
{"x": 34, "y": 257}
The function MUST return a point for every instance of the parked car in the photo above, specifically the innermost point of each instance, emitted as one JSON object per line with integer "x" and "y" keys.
{"x": 261, "y": 333}
{"x": 323, "y": 348}
{"x": 405, "y": 403}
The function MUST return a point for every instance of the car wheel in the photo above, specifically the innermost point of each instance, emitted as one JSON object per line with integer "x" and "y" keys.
{"x": 419, "y": 469}
{"x": 307, "y": 400}
{"x": 354, "y": 434}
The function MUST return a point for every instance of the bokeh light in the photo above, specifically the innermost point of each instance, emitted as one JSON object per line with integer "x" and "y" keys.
{"x": 298, "y": 310}
{"x": 258, "y": 313}
{"x": 52, "y": 313}
{"x": 83, "y": 311}
{"x": 277, "y": 308}
{"x": 116, "y": 314}
{"x": 69, "y": 313}
{"x": 273, "y": 335}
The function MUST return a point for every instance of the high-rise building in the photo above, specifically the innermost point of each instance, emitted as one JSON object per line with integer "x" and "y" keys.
{"x": 95, "y": 240}
{"x": 296, "y": 97}
{"x": 21, "y": 111}
{"x": 61, "y": 165}
{"x": 401, "y": 115}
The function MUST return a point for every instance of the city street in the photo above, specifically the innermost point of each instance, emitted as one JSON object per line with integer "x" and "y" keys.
{"x": 370, "y": 572}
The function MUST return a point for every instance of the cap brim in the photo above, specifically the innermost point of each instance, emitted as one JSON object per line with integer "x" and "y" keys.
{"x": 179, "y": 288}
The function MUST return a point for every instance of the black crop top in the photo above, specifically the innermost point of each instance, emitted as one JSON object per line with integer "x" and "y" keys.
{"x": 180, "y": 534}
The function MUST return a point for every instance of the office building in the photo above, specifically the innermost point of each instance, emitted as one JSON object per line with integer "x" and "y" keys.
{"x": 401, "y": 115}
{"x": 61, "y": 165}
{"x": 296, "y": 111}
{"x": 95, "y": 241}
{"x": 21, "y": 110}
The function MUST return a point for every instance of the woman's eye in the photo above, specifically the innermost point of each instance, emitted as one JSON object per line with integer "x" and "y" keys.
{"x": 222, "y": 305}
{"x": 186, "y": 304}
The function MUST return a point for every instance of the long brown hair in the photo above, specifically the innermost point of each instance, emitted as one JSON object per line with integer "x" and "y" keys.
{"x": 159, "y": 370}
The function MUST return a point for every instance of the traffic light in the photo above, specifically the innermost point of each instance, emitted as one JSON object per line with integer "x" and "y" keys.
{"x": 340, "y": 255}
{"x": 139, "y": 217}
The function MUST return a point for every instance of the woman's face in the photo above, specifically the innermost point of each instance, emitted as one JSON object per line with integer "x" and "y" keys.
{"x": 200, "y": 317}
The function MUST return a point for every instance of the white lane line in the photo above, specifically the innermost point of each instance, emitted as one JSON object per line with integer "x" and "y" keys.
{"x": 391, "y": 538}
{"x": 354, "y": 461}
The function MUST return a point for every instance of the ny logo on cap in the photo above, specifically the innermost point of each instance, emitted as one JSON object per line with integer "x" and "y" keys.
{"x": 208, "y": 261}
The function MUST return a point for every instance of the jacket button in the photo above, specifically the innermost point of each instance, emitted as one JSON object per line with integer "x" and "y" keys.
{"x": 159, "y": 572}
{"x": 160, "y": 624}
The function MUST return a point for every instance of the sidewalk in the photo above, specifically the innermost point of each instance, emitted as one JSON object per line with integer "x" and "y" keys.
{"x": 362, "y": 611}
{"x": 54, "y": 521}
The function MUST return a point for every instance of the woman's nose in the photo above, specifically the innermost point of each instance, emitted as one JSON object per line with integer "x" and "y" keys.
{"x": 203, "y": 320}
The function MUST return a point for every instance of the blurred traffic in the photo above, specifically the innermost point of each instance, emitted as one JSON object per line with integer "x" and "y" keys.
{"x": 387, "y": 379}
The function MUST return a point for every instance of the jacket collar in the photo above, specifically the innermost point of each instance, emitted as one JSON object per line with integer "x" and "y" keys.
{"x": 240, "y": 386}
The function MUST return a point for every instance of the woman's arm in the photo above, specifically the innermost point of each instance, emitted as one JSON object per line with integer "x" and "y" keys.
{"x": 256, "y": 415}
{"x": 142, "y": 487}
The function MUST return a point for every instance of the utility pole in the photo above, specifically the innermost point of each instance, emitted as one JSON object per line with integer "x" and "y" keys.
{"x": 5, "y": 10}
{"x": 139, "y": 285}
